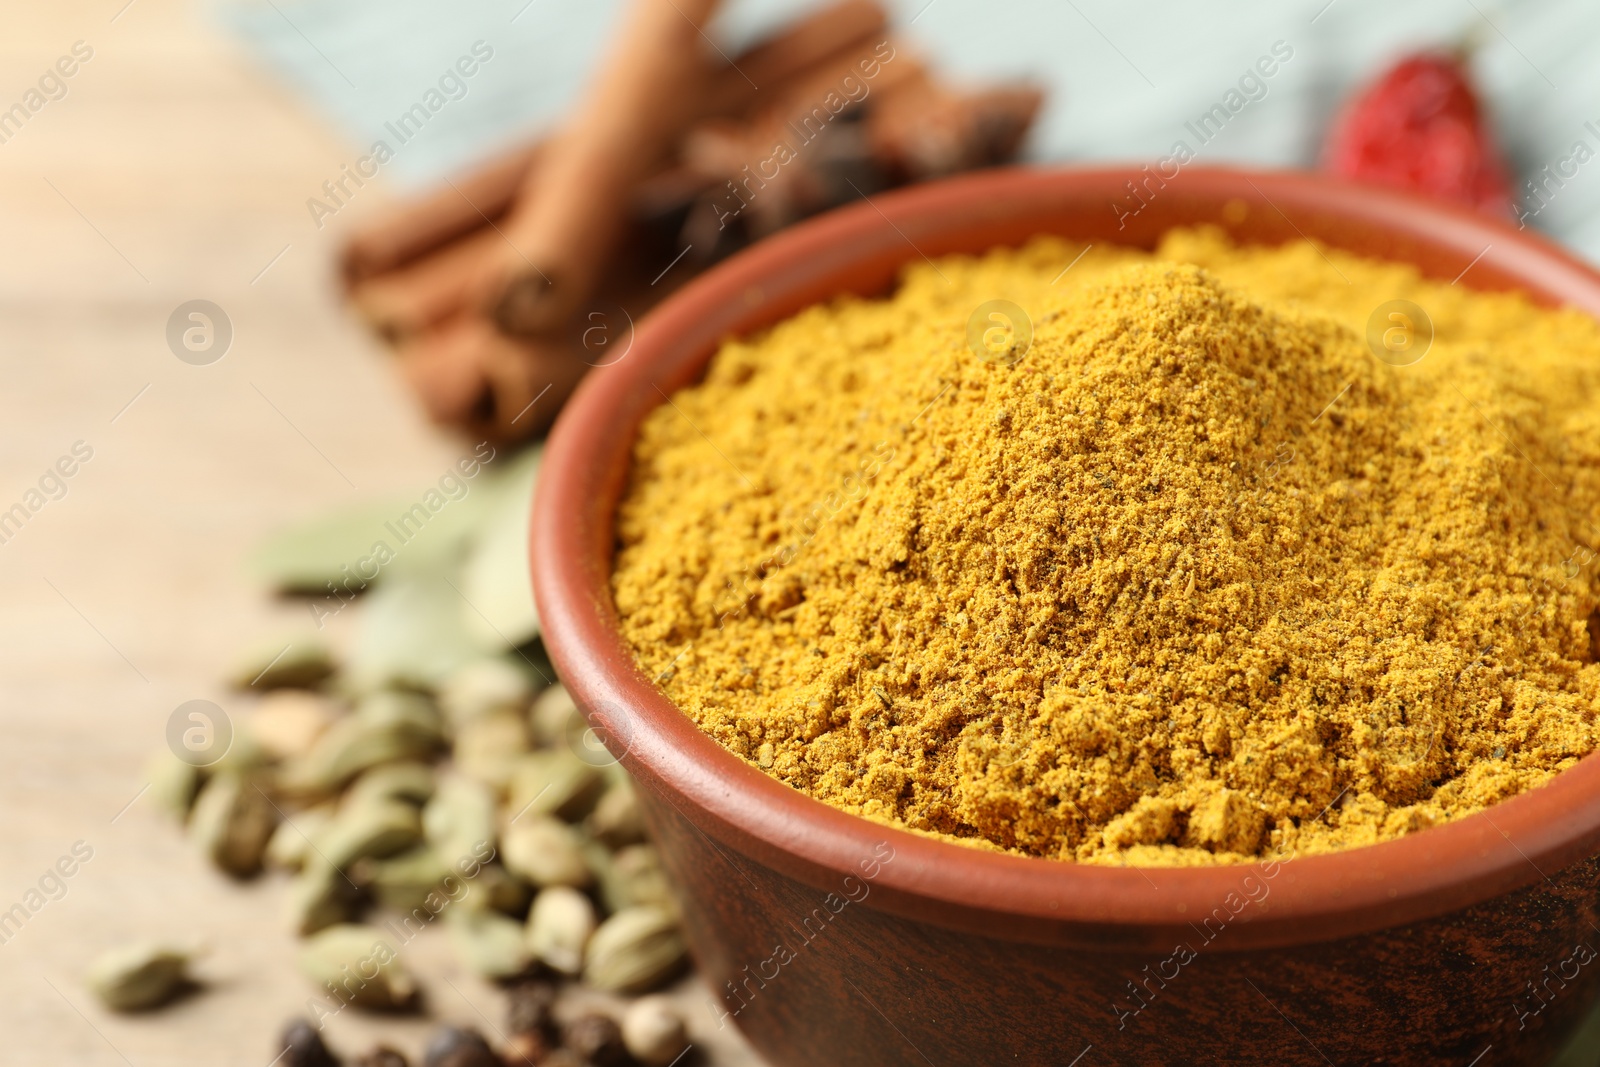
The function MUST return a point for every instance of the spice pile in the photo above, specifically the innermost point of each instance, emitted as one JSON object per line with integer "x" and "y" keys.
{"x": 431, "y": 778}
{"x": 651, "y": 1034}
{"x": 1197, "y": 578}
{"x": 527, "y": 846}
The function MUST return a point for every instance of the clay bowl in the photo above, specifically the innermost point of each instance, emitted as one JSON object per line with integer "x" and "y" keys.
{"x": 829, "y": 939}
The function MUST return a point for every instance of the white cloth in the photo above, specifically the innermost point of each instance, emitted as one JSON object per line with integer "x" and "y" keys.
{"x": 1123, "y": 78}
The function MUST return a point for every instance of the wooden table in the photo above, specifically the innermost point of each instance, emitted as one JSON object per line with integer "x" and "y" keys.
{"x": 170, "y": 171}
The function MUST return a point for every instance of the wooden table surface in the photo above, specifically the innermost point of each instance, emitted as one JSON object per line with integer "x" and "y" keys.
{"x": 170, "y": 170}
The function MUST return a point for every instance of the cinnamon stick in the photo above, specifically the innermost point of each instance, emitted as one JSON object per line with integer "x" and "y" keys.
{"x": 805, "y": 151}
{"x": 625, "y": 126}
{"x": 562, "y": 213}
{"x": 472, "y": 377}
{"x": 798, "y": 49}
{"x": 419, "y": 226}
{"x": 428, "y": 290}
{"x": 923, "y": 130}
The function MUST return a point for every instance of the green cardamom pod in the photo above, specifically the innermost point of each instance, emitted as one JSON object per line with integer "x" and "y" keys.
{"x": 559, "y": 927}
{"x": 375, "y": 829}
{"x": 139, "y": 977}
{"x": 320, "y": 896}
{"x": 409, "y": 781}
{"x": 403, "y": 882}
{"x": 386, "y": 726}
{"x": 485, "y": 686}
{"x": 489, "y": 748}
{"x": 488, "y": 943}
{"x": 617, "y": 819}
{"x": 653, "y": 1031}
{"x": 632, "y": 877}
{"x": 299, "y": 662}
{"x": 358, "y": 964}
{"x": 290, "y": 845}
{"x": 232, "y": 821}
{"x": 634, "y": 951}
{"x": 554, "y": 782}
{"x": 459, "y": 819}
{"x": 173, "y": 783}
{"x": 545, "y": 851}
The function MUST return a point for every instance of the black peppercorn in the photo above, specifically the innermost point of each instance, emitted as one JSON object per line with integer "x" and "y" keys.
{"x": 302, "y": 1046}
{"x": 382, "y": 1056}
{"x": 598, "y": 1039}
{"x": 456, "y": 1046}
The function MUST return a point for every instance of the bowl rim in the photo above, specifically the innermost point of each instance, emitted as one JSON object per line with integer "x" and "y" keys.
{"x": 738, "y": 808}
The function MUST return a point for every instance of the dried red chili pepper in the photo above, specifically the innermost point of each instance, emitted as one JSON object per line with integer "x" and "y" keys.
{"x": 1419, "y": 126}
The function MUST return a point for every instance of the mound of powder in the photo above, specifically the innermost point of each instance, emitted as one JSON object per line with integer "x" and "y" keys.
{"x": 1198, "y": 579}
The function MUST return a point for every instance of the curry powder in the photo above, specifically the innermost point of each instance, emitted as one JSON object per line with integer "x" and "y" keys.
{"x": 1197, "y": 579}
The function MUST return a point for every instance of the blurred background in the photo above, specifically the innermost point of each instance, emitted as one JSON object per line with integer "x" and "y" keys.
{"x": 177, "y": 163}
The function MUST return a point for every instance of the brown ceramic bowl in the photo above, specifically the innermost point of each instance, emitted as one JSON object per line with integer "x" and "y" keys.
{"x": 829, "y": 939}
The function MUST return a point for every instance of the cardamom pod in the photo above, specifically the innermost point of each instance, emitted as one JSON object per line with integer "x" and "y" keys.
{"x": 320, "y": 896}
{"x": 402, "y": 882}
{"x": 555, "y": 717}
{"x": 489, "y": 747}
{"x": 559, "y": 926}
{"x": 376, "y": 829}
{"x": 554, "y": 782}
{"x": 244, "y": 754}
{"x": 545, "y": 851}
{"x": 634, "y": 951}
{"x": 617, "y": 819}
{"x": 410, "y": 781}
{"x": 387, "y": 726}
{"x": 600, "y": 861}
{"x": 173, "y": 783}
{"x": 632, "y": 877}
{"x": 459, "y": 819}
{"x": 300, "y": 662}
{"x": 348, "y": 747}
{"x": 404, "y": 710}
{"x": 488, "y": 943}
{"x": 287, "y": 722}
{"x": 653, "y": 1031}
{"x": 291, "y": 841}
{"x": 485, "y": 686}
{"x": 358, "y": 965}
{"x": 139, "y": 977}
{"x": 497, "y": 889}
{"x": 232, "y": 821}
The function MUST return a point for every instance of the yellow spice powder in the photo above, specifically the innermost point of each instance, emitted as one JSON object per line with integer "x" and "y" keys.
{"x": 1199, "y": 578}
